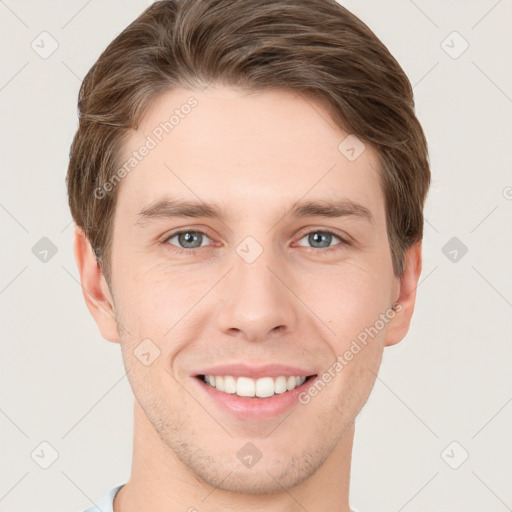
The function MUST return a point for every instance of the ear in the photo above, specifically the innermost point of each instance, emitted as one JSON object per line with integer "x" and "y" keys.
{"x": 406, "y": 299}
{"x": 94, "y": 287}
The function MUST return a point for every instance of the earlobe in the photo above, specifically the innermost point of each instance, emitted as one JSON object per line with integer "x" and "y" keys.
{"x": 94, "y": 287}
{"x": 406, "y": 299}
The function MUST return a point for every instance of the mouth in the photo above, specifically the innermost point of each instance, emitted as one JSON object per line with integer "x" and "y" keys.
{"x": 254, "y": 392}
{"x": 256, "y": 389}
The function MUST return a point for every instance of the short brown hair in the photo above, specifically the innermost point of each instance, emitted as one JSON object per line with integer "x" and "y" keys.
{"x": 314, "y": 47}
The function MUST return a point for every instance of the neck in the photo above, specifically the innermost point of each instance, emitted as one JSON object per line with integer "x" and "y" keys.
{"x": 160, "y": 482}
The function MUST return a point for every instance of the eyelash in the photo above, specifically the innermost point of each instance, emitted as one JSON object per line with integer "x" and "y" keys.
{"x": 321, "y": 251}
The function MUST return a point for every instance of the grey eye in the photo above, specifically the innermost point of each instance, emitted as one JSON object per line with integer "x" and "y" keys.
{"x": 189, "y": 239}
{"x": 320, "y": 239}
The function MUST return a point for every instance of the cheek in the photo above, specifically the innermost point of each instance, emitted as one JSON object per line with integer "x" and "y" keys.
{"x": 148, "y": 294}
{"x": 157, "y": 305}
{"x": 348, "y": 297}
{"x": 353, "y": 303}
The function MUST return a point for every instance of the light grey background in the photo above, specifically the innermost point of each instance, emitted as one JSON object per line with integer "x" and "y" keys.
{"x": 449, "y": 380}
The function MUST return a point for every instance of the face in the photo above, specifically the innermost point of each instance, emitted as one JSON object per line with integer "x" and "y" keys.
{"x": 267, "y": 281}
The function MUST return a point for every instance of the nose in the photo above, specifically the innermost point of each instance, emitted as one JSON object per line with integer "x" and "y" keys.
{"x": 257, "y": 299}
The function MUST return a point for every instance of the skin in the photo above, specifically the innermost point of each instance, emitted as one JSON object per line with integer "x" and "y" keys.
{"x": 254, "y": 154}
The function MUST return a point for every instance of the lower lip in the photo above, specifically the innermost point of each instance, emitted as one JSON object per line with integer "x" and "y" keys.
{"x": 253, "y": 408}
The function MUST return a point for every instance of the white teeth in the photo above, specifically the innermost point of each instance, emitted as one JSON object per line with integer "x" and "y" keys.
{"x": 229, "y": 384}
{"x": 280, "y": 385}
{"x": 245, "y": 386}
{"x": 265, "y": 387}
{"x": 219, "y": 383}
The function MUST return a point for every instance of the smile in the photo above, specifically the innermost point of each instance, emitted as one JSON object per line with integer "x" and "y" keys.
{"x": 263, "y": 387}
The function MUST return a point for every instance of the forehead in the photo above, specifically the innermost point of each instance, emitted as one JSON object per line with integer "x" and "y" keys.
{"x": 253, "y": 148}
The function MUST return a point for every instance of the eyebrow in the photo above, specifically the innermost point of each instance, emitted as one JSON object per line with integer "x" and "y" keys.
{"x": 171, "y": 208}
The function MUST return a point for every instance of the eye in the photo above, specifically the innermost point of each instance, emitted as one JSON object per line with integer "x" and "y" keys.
{"x": 321, "y": 239}
{"x": 188, "y": 240}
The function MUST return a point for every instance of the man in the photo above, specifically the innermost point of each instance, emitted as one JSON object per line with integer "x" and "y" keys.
{"x": 247, "y": 182}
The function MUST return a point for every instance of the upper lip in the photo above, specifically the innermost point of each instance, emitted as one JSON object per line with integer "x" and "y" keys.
{"x": 256, "y": 372}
